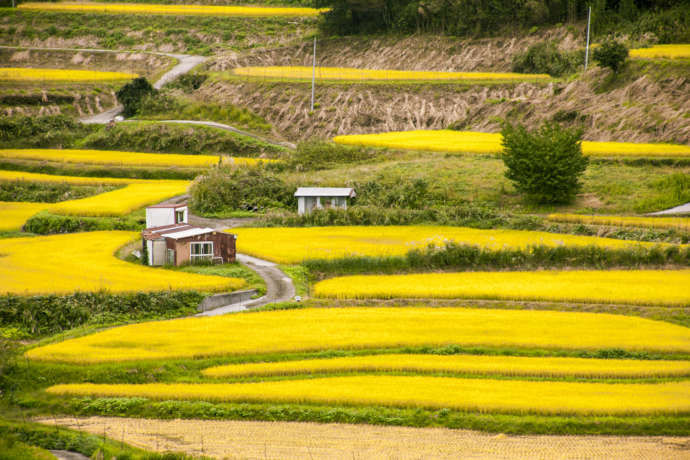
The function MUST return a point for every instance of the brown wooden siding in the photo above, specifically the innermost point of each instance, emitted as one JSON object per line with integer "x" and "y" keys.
{"x": 223, "y": 246}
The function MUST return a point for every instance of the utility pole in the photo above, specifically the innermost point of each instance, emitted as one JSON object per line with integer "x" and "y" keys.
{"x": 313, "y": 76}
{"x": 589, "y": 22}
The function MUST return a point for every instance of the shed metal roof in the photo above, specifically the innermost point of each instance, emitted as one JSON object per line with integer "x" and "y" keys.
{"x": 187, "y": 233}
{"x": 178, "y": 205}
{"x": 325, "y": 191}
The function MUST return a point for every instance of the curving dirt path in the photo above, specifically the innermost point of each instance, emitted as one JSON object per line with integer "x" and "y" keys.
{"x": 683, "y": 209}
{"x": 297, "y": 440}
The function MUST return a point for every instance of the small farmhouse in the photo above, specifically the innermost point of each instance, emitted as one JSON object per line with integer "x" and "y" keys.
{"x": 310, "y": 198}
{"x": 175, "y": 242}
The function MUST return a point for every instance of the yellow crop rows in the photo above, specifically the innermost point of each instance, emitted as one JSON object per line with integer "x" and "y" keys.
{"x": 365, "y": 327}
{"x": 423, "y": 391}
{"x": 461, "y": 364}
{"x": 136, "y": 194}
{"x": 86, "y": 262}
{"x": 28, "y": 74}
{"x": 341, "y": 73}
{"x": 639, "y": 287}
{"x": 682, "y": 223}
{"x": 662, "y": 51}
{"x": 294, "y": 245}
{"x": 177, "y": 10}
{"x": 490, "y": 143}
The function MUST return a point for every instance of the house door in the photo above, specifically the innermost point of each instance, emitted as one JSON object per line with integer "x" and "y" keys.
{"x": 171, "y": 257}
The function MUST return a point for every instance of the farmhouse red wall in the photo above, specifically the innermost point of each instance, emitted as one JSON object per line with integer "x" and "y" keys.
{"x": 223, "y": 246}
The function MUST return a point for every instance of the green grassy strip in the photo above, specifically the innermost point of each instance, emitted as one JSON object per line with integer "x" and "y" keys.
{"x": 57, "y": 438}
{"x": 45, "y": 223}
{"x": 455, "y": 256}
{"x": 79, "y": 170}
{"x": 500, "y": 423}
{"x": 38, "y": 192}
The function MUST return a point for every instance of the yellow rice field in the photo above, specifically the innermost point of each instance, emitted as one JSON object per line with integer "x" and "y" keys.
{"x": 365, "y": 327}
{"x": 29, "y": 74}
{"x": 681, "y": 223}
{"x": 294, "y": 245}
{"x": 639, "y": 287}
{"x": 461, "y": 364}
{"x": 423, "y": 391}
{"x": 490, "y": 143}
{"x": 59, "y": 264}
{"x": 344, "y": 73}
{"x": 136, "y": 194}
{"x": 15, "y": 214}
{"x": 662, "y": 51}
{"x": 176, "y": 10}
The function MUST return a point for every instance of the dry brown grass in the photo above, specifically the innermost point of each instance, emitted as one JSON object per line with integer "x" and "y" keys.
{"x": 281, "y": 440}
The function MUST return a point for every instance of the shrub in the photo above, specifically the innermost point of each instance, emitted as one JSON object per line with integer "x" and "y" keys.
{"x": 48, "y": 131}
{"x": 131, "y": 95}
{"x": 545, "y": 58}
{"x": 611, "y": 54}
{"x": 243, "y": 188}
{"x": 188, "y": 82}
{"x": 315, "y": 155}
{"x": 546, "y": 165}
{"x": 45, "y": 223}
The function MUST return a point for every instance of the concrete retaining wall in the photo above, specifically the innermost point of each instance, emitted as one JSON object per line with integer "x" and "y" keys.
{"x": 220, "y": 300}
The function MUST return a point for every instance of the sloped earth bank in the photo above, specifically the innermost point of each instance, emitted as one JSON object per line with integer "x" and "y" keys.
{"x": 644, "y": 110}
{"x": 281, "y": 440}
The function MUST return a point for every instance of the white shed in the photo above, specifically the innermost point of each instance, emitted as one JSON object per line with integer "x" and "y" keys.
{"x": 160, "y": 215}
{"x": 309, "y": 198}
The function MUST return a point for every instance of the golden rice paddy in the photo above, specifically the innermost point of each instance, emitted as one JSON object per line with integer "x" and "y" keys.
{"x": 638, "y": 287}
{"x": 86, "y": 262}
{"x": 29, "y": 74}
{"x": 363, "y": 328}
{"x": 15, "y": 214}
{"x": 343, "y": 73}
{"x": 136, "y": 194}
{"x": 460, "y": 364}
{"x": 294, "y": 245}
{"x": 681, "y": 223}
{"x": 422, "y": 391}
{"x": 490, "y": 143}
{"x": 662, "y": 51}
{"x": 176, "y": 10}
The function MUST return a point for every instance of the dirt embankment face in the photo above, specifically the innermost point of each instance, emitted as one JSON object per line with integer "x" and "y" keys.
{"x": 648, "y": 103}
{"x": 643, "y": 110}
{"x": 404, "y": 53}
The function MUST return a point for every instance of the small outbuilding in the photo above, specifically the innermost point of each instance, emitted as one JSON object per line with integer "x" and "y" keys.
{"x": 170, "y": 240}
{"x": 179, "y": 244}
{"x": 166, "y": 214}
{"x": 310, "y": 198}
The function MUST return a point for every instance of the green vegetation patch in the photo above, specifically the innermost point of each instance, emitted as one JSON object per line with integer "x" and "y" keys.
{"x": 49, "y": 192}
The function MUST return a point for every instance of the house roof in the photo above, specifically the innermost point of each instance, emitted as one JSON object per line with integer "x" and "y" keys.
{"x": 178, "y": 205}
{"x": 325, "y": 191}
{"x": 194, "y": 231}
{"x": 154, "y": 233}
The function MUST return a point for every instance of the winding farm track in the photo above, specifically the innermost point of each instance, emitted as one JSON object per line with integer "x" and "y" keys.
{"x": 683, "y": 209}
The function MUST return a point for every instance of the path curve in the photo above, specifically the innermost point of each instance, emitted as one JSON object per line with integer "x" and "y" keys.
{"x": 675, "y": 211}
{"x": 68, "y": 455}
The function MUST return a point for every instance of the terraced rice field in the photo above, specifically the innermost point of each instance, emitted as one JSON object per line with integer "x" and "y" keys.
{"x": 423, "y": 391}
{"x": 638, "y": 287}
{"x": 136, "y": 194}
{"x": 662, "y": 51}
{"x": 18, "y": 74}
{"x": 460, "y": 364}
{"x": 680, "y": 223}
{"x": 490, "y": 143}
{"x": 59, "y": 264}
{"x": 364, "y": 328}
{"x": 105, "y": 157}
{"x": 175, "y": 10}
{"x": 342, "y": 73}
{"x": 294, "y": 245}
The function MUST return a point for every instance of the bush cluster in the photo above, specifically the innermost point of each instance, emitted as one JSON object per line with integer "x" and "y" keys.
{"x": 249, "y": 189}
{"x": 316, "y": 155}
{"x": 45, "y": 223}
{"x": 611, "y": 54}
{"x": 50, "y": 314}
{"x": 132, "y": 94}
{"x": 43, "y": 192}
{"x": 547, "y": 58}
{"x": 41, "y": 132}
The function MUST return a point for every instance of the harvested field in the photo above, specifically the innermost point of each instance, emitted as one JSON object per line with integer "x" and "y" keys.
{"x": 315, "y": 329}
{"x": 280, "y": 440}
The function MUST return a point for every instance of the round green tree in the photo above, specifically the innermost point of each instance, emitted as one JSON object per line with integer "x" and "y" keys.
{"x": 546, "y": 164}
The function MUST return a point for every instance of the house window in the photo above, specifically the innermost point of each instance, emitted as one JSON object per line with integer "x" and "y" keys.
{"x": 201, "y": 251}
{"x": 179, "y": 216}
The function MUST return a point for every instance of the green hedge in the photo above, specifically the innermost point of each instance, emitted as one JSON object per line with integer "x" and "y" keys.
{"x": 45, "y": 223}
{"x": 49, "y": 314}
